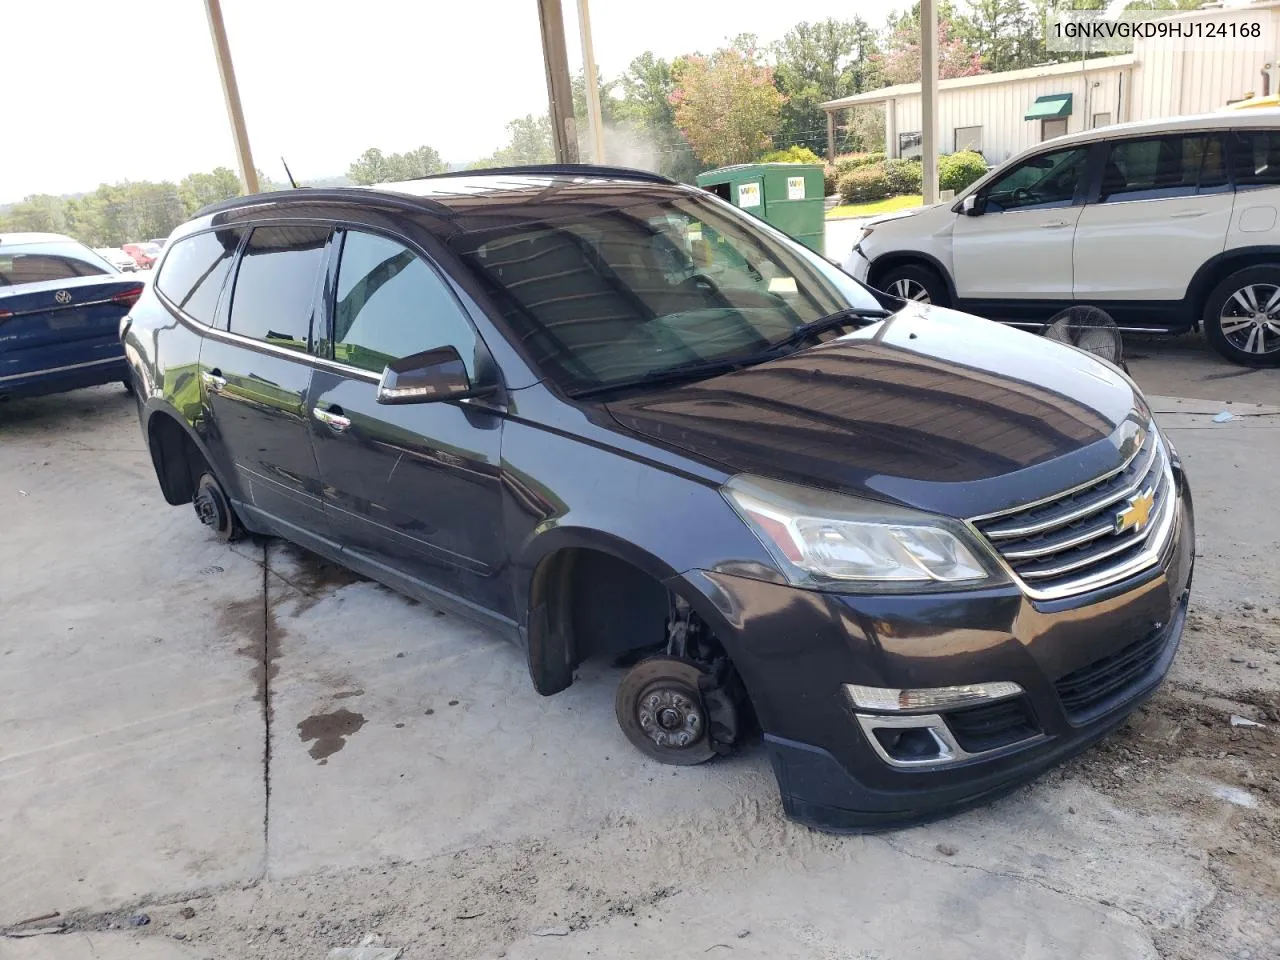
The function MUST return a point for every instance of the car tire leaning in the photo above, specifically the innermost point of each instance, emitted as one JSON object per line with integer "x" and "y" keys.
{"x": 916, "y": 283}
{"x": 1241, "y": 321}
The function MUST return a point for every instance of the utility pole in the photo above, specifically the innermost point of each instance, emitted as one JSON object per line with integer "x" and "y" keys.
{"x": 929, "y": 99}
{"x": 564, "y": 134}
{"x": 594, "y": 117}
{"x": 231, "y": 93}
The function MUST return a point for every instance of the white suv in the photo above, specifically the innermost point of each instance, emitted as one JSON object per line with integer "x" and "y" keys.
{"x": 1164, "y": 224}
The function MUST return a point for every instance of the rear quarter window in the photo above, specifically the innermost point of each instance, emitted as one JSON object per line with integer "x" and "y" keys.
{"x": 193, "y": 274}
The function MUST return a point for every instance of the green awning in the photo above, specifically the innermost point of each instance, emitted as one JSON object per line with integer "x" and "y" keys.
{"x": 1053, "y": 107}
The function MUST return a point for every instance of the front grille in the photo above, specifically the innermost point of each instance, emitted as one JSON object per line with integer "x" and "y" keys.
{"x": 992, "y": 725}
{"x": 1089, "y": 691}
{"x": 1069, "y": 543}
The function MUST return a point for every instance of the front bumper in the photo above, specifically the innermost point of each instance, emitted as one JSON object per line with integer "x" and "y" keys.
{"x": 857, "y": 265}
{"x": 1084, "y": 664}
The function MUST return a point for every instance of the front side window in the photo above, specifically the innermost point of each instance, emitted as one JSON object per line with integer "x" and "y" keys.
{"x": 276, "y": 285}
{"x": 195, "y": 270}
{"x": 390, "y": 305}
{"x": 40, "y": 262}
{"x": 1256, "y": 158}
{"x": 613, "y": 292}
{"x": 1160, "y": 167}
{"x": 1047, "y": 180}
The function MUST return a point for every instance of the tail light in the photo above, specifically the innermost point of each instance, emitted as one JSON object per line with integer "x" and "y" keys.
{"x": 127, "y": 298}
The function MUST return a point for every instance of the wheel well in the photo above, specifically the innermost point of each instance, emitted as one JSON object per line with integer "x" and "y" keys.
{"x": 1203, "y": 283}
{"x": 176, "y": 458}
{"x": 584, "y": 603}
{"x": 894, "y": 260}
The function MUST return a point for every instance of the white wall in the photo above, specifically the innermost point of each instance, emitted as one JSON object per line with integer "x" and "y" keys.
{"x": 999, "y": 108}
{"x": 1177, "y": 79}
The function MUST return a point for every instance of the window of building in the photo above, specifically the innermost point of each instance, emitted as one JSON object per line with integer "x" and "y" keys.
{"x": 968, "y": 138}
{"x": 1101, "y": 119}
{"x": 195, "y": 270}
{"x": 910, "y": 145}
{"x": 1160, "y": 167}
{"x": 1256, "y": 158}
{"x": 390, "y": 305}
{"x": 1053, "y": 128}
{"x": 276, "y": 285}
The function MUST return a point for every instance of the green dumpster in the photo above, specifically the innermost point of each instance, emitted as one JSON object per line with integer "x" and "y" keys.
{"x": 785, "y": 195}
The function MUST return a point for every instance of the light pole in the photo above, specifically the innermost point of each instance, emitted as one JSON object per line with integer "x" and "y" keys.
{"x": 231, "y": 93}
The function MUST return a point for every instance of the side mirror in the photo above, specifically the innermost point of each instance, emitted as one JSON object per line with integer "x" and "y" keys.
{"x": 437, "y": 374}
{"x": 969, "y": 206}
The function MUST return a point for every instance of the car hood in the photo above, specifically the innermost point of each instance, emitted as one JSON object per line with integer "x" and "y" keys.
{"x": 930, "y": 408}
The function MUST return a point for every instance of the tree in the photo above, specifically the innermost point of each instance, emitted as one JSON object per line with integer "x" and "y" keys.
{"x": 528, "y": 142}
{"x": 726, "y": 106}
{"x": 820, "y": 62}
{"x": 900, "y": 62}
{"x": 38, "y": 213}
{"x": 201, "y": 189}
{"x": 1005, "y": 34}
{"x": 374, "y": 166}
{"x": 645, "y": 111}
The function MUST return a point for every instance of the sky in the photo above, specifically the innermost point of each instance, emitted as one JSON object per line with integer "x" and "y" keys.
{"x": 119, "y": 91}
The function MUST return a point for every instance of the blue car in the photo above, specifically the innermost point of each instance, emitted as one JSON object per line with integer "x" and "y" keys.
{"x": 60, "y": 310}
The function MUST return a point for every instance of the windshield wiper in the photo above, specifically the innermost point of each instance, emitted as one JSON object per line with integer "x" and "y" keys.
{"x": 696, "y": 370}
{"x": 841, "y": 318}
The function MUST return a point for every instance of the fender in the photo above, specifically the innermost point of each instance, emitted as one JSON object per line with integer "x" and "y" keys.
{"x": 1221, "y": 264}
{"x": 157, "y": 406}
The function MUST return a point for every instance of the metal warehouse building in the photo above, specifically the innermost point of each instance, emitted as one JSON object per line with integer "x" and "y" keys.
{"x": 1000, "y": 114}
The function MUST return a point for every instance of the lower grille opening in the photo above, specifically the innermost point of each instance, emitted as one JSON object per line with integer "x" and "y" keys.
{"x": 908, "y": 743}
{"x": 991, "y": 726}
{"x": 1089, "y": 691}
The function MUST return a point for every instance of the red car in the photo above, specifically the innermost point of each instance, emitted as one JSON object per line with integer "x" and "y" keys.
{"x": 144, "y": 254}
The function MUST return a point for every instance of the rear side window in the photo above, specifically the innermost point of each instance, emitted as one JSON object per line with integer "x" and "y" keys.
{"x": 39, "y": 262}
{"x": 195, "y": 270}
{"x": 1162, "y": 167}
{"x": 277, "y": 283}
{"x": 1256, "y": 158}
{"x": 390, "y": 305}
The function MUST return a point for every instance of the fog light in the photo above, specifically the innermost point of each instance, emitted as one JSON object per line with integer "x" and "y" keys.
{"x": 893, "y": 700}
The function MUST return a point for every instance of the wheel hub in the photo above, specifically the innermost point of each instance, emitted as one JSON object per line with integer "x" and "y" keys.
{"x": 207, "y": 510}
{"x": 669, "y": 717}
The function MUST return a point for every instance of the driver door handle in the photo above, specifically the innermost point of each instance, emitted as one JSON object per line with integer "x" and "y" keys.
{"x": 1055, "y": 224}
{"x": 332, "y": 418}
{"x": 214, "y": 380}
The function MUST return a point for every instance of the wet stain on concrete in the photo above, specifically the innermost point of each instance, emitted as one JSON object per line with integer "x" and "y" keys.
{"x": 255, "y": 625}
{"x": 348, "y": 694}
{"x": 315, "y": 578}
{"x": 329, "y": 731}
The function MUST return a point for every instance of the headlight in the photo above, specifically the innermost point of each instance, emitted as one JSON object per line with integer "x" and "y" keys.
{"x": 862, "y": 235}
{"x": 824, "y": 539}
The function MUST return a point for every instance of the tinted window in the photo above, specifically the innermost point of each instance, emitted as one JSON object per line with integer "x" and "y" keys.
{"x": 276, "y": 284}
{"x": 391, "y": 305}
{"x": 1048, "y": 180}
{"x": 637, "y": 284}
{"x": 38, "y": 262}
{"x": 1256, "y": 158}
{"x": 1162, "y": 167}
{"x": 195, "y": 270}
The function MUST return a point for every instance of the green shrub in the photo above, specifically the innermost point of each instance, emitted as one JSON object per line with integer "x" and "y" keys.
{"x": 829, "y": 178}
{"x": 905, "y": 177}
{"x": 848, "y": 162}
{"x": 795, "y": 154}
{"x": 957, "y": 170}
{"x": 864, "y": 183}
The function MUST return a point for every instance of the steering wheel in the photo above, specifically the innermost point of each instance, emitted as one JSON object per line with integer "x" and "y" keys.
{"x": 1022, "y": 196}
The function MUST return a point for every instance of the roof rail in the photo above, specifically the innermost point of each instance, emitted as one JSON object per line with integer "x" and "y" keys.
{"x": 583, "y": 169}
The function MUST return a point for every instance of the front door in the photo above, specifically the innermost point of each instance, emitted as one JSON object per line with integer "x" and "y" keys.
{"x": 412, "y": 487}
{"x": 1019, "y": 247}
{"x": 1162, "y": 211}
{"x": 255, "y": 380}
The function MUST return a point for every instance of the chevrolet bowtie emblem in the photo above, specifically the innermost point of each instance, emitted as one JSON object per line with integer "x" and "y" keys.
{"x": 1137, "y": 512}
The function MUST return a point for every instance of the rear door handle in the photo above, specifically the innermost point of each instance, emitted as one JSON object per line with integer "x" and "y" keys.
{"x": 1055, "y": 224}
{"x": 1186, "y": 214}
{"x": 332, "y": 418}
{"x": 214, "y": 380}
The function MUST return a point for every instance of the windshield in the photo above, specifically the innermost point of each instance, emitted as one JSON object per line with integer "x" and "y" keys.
{"x": 609, "y": 294}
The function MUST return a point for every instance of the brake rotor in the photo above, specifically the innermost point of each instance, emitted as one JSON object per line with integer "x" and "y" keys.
{"x": 662, "y": 712}
{"x": 212, "y": 508}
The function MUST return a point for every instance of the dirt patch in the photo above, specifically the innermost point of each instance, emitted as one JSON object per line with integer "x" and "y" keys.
{"x": 329, "y": 731}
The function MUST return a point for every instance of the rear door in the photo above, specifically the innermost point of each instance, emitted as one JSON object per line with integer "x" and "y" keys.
{"x": 1019, "y": 248}
{"x": 1161, "y": 211}
{"x": 413, "y": 488}
{"x": 256, "y": 374}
